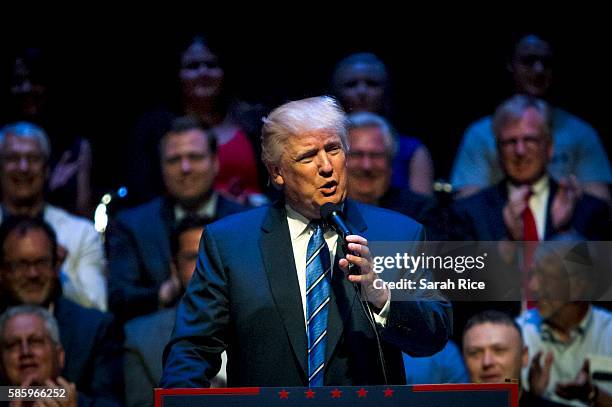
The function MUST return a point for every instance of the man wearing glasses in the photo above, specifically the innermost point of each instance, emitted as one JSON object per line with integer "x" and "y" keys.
{"x": 529, "y": 204}
{"x": 29, "y": 275}
{"x": 24, "y": 166}
{"x": 578, "y": 149}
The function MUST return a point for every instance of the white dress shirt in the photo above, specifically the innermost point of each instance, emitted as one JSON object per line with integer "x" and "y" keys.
{"x": 207, "y": 210}
{"x": 300, "y": 236}
{"x": 538, "y": 202}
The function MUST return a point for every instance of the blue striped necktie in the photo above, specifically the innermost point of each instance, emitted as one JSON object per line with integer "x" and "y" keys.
{"x": 318, "y": 271}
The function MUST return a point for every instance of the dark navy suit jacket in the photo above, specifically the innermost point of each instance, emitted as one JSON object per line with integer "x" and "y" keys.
{"x": 245, "y": 296}
{"x": 138, "y": 246}
{"x": 482, "y": 215}
{"x": 480, "y": 218}
{"x": 93, "y": 353}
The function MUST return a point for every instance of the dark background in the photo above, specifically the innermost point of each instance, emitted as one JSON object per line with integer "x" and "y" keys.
{"x": 444, "y": 76}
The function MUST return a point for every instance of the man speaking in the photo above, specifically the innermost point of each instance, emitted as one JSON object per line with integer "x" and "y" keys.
{"x": 272, "y": 285}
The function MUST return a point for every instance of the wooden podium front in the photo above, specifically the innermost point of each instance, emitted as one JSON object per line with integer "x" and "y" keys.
{"x": 431, "y": 395}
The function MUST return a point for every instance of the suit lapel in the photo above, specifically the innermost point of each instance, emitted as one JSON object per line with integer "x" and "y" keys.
{"x": 277, "y": 254}
{"x": 342, "y": 294}
{"x": 498, "y": 201}
{"x": 282, "y": 277}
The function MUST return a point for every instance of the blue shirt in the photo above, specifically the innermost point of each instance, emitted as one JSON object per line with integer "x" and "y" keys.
{"x": 446, "y": 366}
{"x": 577, "y": 150}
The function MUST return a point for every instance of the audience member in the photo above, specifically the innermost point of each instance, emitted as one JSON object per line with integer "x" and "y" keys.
{"x": 361, "y": 83}
{"x": 29, "y": 275}
{"x": 32, "y": 354}
{"x": 565, "y": 333}
{"x": 146, "y": 336}
{"x": 24, "y": 166}
{"x": 529, "y": 204}
{"x": 204, "y": 94}
{"x": 31, "y": 99}
{"x": 577, "y": 148}
{"x": 494, "y": 353}
{"x": 371, "y": 151}
{"x": 138, "y": 241}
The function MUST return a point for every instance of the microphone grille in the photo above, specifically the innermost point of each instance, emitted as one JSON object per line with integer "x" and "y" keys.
{"x": 329, "y": 208}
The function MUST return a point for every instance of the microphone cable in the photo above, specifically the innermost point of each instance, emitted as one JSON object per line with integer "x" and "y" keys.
{"x": 367, "y": 310}
{"x": 332, "y": 215}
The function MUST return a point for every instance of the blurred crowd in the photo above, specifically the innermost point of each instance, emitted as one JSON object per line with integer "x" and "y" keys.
{"x": 91, "y": 307}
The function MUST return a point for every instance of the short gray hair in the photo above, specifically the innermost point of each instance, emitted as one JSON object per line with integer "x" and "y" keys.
{"x": 27, "y": 130}
{"x": 295, "y": 118}
{"x": 362, "y": 120}
{"x": 45, "y": 315}
{"x": 512, "y": 110}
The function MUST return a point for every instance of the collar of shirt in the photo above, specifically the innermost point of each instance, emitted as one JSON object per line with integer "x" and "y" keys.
{"x": 548, "y": 333}
{"x": 206, "y": 210}
{"x": 538, "y": 201}
{"x": 300, "y": 236}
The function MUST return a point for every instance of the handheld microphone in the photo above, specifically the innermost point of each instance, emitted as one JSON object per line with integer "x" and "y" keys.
{"x": 332, "y": 214}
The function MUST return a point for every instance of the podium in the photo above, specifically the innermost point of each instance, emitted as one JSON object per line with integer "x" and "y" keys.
{"x": 455, "y": 395}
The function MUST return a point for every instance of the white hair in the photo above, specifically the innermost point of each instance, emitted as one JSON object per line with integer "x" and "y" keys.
{"x": 27, "y": 130}
{"x": 295, "y": 118}
{"x": 45, "y": 315}
{"x": 362, "y": 120}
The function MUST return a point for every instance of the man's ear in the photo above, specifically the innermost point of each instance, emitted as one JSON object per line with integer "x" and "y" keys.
{"x": 60, "y": 256}
{"x": 61, "y": 357}
{"x": 276, "y": 175}
{"x": 525, "y": 356}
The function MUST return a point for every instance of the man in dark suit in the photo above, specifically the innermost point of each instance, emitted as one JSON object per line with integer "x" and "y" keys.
{"x": 138, "y": 243}
{"x": 528, "y": 205}
{"x": 254, "y": 293}
{"x": 146, "y": 336}
{"x": 522, "y": 126}
{"x": 29, "y": 274}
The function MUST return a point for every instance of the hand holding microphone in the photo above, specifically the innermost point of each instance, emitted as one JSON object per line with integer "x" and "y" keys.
{"x": 358, "y": 260}
{"x": 332, "y": 214}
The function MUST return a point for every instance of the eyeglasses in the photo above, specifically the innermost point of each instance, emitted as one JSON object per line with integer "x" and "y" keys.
{"x": 31, "y": 159}
{"x": 33, "y": 341}
{"x": 23, "y": 266}
{"x": 530, "y": 142}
